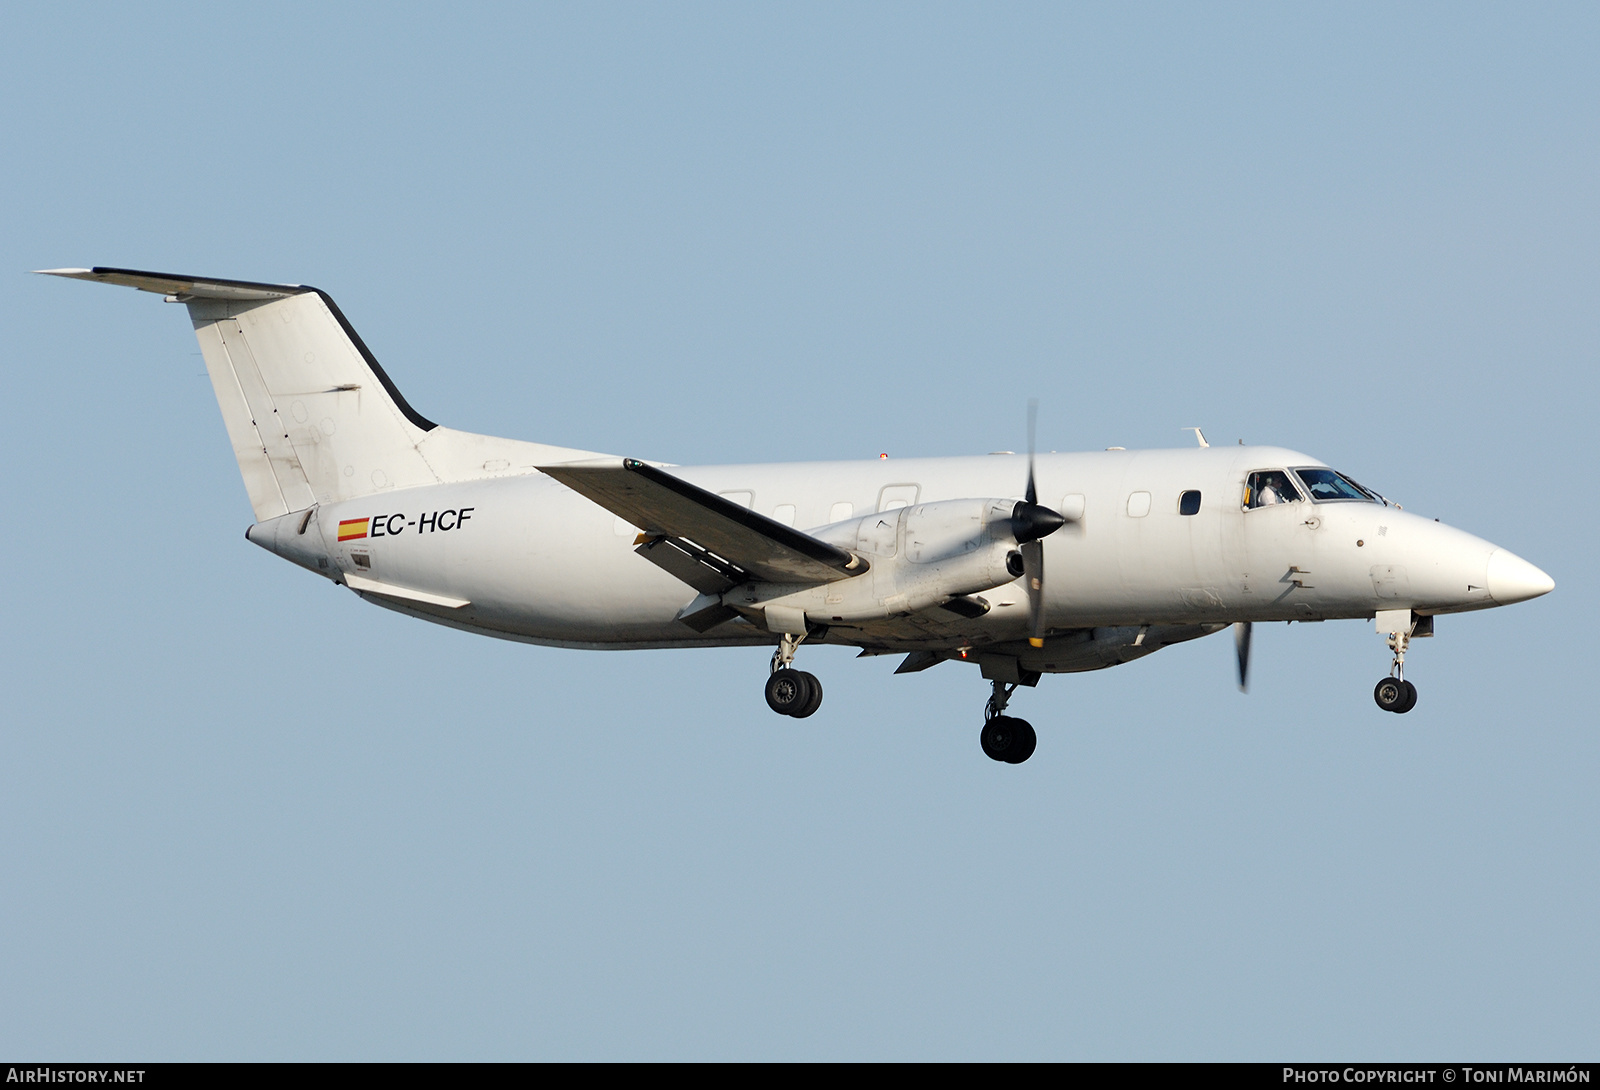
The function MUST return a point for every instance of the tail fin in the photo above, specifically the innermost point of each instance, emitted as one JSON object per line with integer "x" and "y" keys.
{"x": 311, "y": 414}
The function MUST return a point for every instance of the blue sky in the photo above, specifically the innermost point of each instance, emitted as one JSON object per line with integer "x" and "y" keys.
{"x": 244, "y": 815}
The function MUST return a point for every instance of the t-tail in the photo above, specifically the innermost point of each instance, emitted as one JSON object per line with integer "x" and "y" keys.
{"x": 312, "y": 416}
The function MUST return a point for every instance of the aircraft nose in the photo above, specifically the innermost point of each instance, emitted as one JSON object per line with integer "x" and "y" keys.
{"x": 1513, "y": 579}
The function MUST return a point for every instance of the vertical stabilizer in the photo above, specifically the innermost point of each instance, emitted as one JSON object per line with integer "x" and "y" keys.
{"x": 312, "y": 416}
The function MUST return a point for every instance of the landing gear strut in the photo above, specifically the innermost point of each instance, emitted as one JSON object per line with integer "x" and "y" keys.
{"x": 790, "y": 691}
{"x": 1005, "y": 738}
{"x": 1394, "y": 693}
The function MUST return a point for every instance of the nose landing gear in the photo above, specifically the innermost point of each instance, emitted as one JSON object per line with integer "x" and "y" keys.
{"x": 1394, "y": 693}
{"x": 1005, "y": 738}
{"x": 789, "y": 691}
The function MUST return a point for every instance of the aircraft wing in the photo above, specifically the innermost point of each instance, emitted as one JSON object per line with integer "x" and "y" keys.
{"x": 708, "y": 541}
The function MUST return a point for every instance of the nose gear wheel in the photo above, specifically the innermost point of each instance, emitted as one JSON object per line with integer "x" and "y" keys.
{"x": 1394, "y": 694}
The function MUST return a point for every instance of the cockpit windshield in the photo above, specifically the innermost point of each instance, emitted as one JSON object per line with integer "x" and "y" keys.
{"x": 1268, "y": 488}
{"x": 1325, "y": 484}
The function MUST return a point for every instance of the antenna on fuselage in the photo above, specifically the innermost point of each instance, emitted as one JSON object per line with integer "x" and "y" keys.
{"x": 1199, "y": 435}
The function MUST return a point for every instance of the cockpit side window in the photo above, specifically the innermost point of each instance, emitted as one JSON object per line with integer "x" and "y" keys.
{"x": 1325, "y": 484}
{"x": 1267, "y": 487}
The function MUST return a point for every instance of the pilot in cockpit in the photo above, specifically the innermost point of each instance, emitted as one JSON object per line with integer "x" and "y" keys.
{"x": 1269, "y": 488}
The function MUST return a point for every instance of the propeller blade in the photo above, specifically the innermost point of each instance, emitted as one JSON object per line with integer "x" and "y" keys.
{"x": 1241, "y": 646}
{"x": 1033, "y": 576}
{"x": 1030, "y": 523}
{"x": 1033, "y": 426}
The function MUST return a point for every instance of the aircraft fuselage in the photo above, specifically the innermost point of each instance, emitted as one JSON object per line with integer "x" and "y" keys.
{"x": 540, "y": 563}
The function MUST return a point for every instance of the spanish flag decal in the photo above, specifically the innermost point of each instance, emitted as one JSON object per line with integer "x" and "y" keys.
{"x": 352, "y": 529}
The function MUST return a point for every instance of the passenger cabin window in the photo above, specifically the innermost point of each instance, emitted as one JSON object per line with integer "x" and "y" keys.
{"x": 1325, "y": 484}
{"x": 1138, "y": 504}
{"x": 840, "y": 511}
{"x": 1269, "y": 487}
{"x": 1189, "y": 503}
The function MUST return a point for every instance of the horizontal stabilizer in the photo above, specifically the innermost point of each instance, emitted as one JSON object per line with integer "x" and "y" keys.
{"x": 184, "y": 287}
{"x": 666, "y": 506}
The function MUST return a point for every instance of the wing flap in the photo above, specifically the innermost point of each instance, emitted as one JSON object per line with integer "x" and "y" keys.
{"x": 666, "y": 506}
{"x": 696, "y": 567}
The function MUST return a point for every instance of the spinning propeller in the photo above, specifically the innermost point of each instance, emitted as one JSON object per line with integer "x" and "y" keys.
{"x": 1031, "y": 523}
{"x": 1241, "y": 647}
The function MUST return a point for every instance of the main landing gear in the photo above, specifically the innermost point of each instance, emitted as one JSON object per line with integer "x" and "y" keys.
{"x": 1005, "y": 738}
{"x": 790, "y": 691}
{"x": 1394, "y": 693}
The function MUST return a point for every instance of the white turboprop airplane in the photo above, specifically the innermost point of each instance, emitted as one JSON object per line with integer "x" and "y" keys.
{"x": 938, "y": 559}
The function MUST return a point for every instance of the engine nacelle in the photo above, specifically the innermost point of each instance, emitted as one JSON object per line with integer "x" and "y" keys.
{"x": 921, "y": 556}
